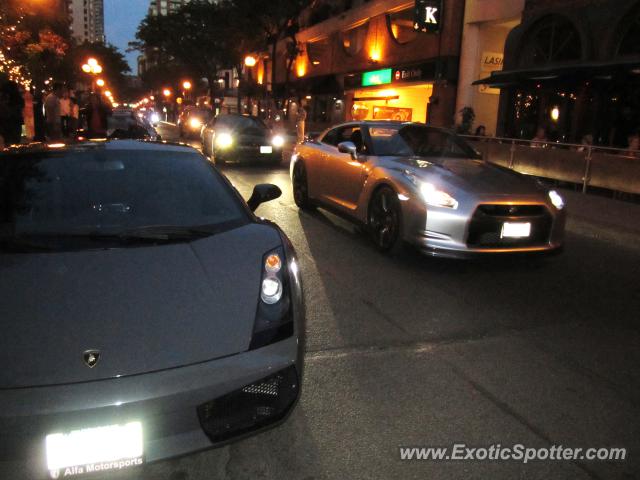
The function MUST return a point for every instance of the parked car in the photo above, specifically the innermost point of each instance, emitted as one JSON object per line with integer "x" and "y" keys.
{"x": 147, "y": 312}
{"x": 126, "y": 124}
{"x": 241, "y": 139}
{"x": 192, "y": 119}
{"x": 408, "y": 182}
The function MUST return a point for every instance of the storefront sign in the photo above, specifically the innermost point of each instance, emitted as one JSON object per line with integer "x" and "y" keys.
{"x": 490, "y": 62}
{"x": 407, "y": 74}
{"x": 377, "y": 77}
{"x": 428, "y": 15}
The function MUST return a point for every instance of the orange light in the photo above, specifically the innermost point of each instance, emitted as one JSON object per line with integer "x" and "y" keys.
{"x": 92, "y": 62}
{"x": 375, "y": 55}
{"x": 250, "y": 61}
{"x": 108, "y": 93}
{"x": 186, "y": 85}
{"x": 56, "y": 145}
{"x": 86, "y": 68}
{"x": 166, "y": 92}
{"x": 273, "y": 263}
{"x": 100, "y": 82}
{"x": 301, "y": 69}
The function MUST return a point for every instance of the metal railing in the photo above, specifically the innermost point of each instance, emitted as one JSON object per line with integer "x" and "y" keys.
{"x": 589, "y": 166}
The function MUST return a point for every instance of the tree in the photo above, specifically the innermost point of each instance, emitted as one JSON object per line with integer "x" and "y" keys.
{"x": 277, "y": 20}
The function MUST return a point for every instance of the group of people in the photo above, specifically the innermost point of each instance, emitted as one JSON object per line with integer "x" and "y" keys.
{"x": 63, "y": 115}
{"x": 11, "y": 113}
{"x": 632, "y": 150}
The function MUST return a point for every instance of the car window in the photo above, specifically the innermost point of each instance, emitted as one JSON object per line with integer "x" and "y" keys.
{"x": 239, "y": 122}
{"x": 417, "y": 140}
{"x": 351, "y": 133}
{"x": 99, "y": 190}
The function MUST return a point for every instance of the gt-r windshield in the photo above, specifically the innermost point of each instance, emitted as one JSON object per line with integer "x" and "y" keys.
{"x": 418, "y": 141}
{"x": 105, "y": 196}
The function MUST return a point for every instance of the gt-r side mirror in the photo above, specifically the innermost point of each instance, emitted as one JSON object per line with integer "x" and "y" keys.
{"x": 262, "y": 193}
{"x": 350, "y": 148}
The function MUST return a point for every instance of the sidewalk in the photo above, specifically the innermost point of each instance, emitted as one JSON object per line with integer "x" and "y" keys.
{"x": 603, "y": 218}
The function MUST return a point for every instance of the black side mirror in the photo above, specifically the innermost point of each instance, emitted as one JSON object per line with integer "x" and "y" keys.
{"x": 265, "y": 192}
{"x": 350, "y": 148}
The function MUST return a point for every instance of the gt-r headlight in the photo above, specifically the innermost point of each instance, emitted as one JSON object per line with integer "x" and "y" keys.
{"x": 224, "y": 140}
{"x": 556, "y": 199}
{"x": 274, "y": 320}
{"x": 277, "y": 141}
{"x": 195, "y": 123}
{"x": 435, "y": 197}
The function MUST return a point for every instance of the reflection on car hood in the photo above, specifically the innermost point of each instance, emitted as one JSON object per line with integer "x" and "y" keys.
{"x": 473, "y": 176}
{"x": 145, "y": 309}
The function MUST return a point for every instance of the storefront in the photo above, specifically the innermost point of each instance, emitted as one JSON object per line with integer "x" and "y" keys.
{"x": 401, "y": 93}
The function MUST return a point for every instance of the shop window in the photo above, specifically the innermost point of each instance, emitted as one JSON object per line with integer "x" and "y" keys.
{"x": 400, "y": 26}
{"x": 318, "y": 51}
{"x": 630, "y": 43}
{"x": 553, "y": 39}
{"x": 353, "y": 40}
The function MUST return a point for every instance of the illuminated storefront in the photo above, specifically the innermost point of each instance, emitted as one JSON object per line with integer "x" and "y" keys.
{"x": 402, "y": 93}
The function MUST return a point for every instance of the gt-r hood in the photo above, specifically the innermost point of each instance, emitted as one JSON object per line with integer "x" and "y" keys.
{"x": 145, "y": 309}
{"x": 473, "y": 176}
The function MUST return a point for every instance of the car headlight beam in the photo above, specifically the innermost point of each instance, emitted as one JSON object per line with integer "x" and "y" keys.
{"x": 195, "y": 123}
{"x": 277, "y": 141}
{"x": 556, "y": 199}
{"x": 224, "y": 140}
{"x": 432, "y": 196}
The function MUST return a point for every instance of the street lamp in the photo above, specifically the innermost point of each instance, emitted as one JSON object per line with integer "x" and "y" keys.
{"x": 92, "y": 67}
{"x": 250, "y": 61}
{"x": 166, "y": 92}
{"x": 186, "y": 85}
{"x": 100, "y": 82}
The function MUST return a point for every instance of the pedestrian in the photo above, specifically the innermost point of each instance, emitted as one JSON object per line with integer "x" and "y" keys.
{"x": 633, "y": 146}
{"x": 74, "y": 118}
{"x": 11, "y": 113}
{"x": 52, "y": 113}
{"x": 65, "y": 112}
{"x": 586, "y": 142}
{"x": 540, "y": 140}
{"x": 301, "y": 120}
{"x": 96, "y": 114}
{"x": 481, "y": 131}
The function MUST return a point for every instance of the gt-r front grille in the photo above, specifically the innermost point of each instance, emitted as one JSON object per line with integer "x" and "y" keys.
{"x": 485, "y": 228}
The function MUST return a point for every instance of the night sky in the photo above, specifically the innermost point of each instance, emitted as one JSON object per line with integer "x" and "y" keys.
{"x": 122, "y": 18}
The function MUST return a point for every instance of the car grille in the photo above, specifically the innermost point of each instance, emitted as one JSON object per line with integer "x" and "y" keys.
{"x": 252, "y": 407}
{"x": 486, "y": 226}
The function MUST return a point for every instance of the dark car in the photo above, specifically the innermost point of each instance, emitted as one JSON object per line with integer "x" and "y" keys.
{"x": 241, "y": 139}
{"x": 147, "y": 312}
{"x": 192, "y": 119}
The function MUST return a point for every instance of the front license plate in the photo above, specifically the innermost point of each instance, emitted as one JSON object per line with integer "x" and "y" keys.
{"x": 93, "y": 450}
{"x": 515, "y": 230}
{"x": 266, "y": 149}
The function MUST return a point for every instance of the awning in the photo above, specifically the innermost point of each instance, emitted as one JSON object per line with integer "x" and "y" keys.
{"x": 586, "y": 71}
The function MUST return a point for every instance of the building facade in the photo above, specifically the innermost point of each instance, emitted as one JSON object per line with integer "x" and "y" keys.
{"x": 165, "y": 7}
{"x": 572, "y": 67}
{"x": 377, "y": 59}
{"x": 87, "y": 20}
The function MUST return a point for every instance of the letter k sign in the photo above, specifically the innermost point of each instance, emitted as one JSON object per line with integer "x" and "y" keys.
{"x": 431, "y": 15}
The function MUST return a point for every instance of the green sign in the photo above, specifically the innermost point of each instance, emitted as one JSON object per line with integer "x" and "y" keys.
{"x": 377, "y": 77}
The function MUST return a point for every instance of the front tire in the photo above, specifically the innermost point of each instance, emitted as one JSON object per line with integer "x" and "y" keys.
{"x": 385, "y": 220}
{"x": 301, "y": 188}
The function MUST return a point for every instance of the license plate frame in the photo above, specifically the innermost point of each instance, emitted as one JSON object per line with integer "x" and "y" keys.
{"x": 100, "y": 449}
{"x": 515, "y": 230}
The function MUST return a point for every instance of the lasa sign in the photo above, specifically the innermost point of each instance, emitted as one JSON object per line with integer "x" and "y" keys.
{"x": 428, "y": 16}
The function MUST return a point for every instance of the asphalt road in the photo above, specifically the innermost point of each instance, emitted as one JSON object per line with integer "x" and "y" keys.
{"x": 413, "y": 351}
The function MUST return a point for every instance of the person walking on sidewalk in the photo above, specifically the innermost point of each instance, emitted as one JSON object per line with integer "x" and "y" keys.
{"x": 52, "y": 113}
{"x": 11, "y": 107}
{"x": 301, "y": 121}
{"x": 96, "y": 114}
{"x": 65, "y": 113}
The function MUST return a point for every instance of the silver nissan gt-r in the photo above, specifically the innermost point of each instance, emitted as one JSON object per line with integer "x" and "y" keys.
{"x": 408, "y": 182}
{"x": 146, "y": 311}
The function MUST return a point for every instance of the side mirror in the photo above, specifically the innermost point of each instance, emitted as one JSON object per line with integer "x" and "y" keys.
{"x": 265, "y": 192}
{"x": 350, "y": 148}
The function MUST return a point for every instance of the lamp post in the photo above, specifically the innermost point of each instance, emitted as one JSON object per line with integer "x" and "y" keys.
{"x": 93, "y": 68}
{"x": 186, "y": 88}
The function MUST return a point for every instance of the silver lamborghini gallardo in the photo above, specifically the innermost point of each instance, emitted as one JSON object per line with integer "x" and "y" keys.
{"x": 408, "y": 182}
